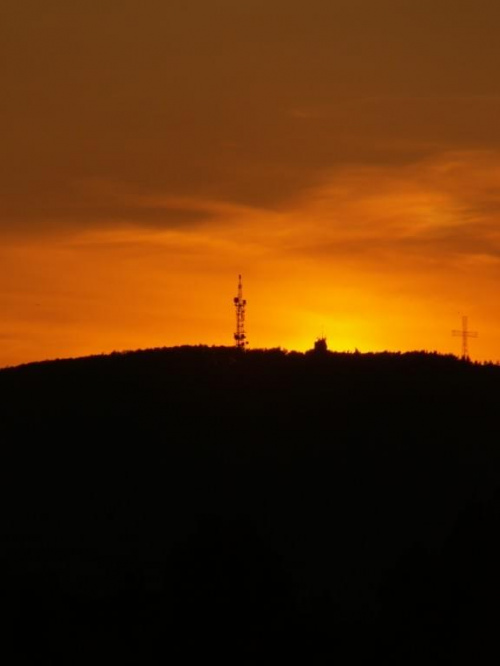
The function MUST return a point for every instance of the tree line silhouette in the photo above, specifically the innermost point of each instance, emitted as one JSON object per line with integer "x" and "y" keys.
{"x": 251, "y": 507}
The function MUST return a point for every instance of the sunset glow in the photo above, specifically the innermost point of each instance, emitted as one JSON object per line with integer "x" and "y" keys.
{"x": 348, "y": 169}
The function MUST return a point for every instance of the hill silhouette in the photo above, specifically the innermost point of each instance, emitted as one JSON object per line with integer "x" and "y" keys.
{"x": 250, "y": 507}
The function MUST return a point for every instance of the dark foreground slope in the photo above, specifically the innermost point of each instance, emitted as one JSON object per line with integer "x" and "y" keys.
{"x": 196, "y": 503}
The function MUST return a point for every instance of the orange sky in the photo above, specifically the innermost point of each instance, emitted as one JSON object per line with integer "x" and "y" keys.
{"x": 344, "y": 156}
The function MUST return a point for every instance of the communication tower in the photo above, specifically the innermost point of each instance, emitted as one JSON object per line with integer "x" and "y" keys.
{"x": 240, "y": 304}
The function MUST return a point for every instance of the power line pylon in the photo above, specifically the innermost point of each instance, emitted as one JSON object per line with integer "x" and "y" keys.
{"x": 240, "y": 304}
{"x": 465, "y": 334}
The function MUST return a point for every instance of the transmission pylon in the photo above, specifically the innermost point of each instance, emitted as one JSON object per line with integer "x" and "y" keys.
{"x": 240, "y": 304}
{"x": 465, "y": 334}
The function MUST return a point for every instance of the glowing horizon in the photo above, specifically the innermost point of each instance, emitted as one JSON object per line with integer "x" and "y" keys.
{"x": 338, "y": 155}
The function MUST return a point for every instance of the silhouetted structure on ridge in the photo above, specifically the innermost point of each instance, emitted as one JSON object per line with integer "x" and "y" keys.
{"x": 465, "y": 334}
{"x": 240, "y": 305}
{"x": 320, "y": 346}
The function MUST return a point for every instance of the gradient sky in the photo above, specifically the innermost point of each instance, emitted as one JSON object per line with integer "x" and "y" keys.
{"x": 343, "y": 155}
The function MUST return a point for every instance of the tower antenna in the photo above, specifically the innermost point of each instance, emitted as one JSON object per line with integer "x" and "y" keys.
{"x": 240, "y": 304}
{"x": 465, "y": 334}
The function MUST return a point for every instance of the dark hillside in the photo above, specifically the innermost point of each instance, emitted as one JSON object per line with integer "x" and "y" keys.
{"x": 187, "y": 503}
